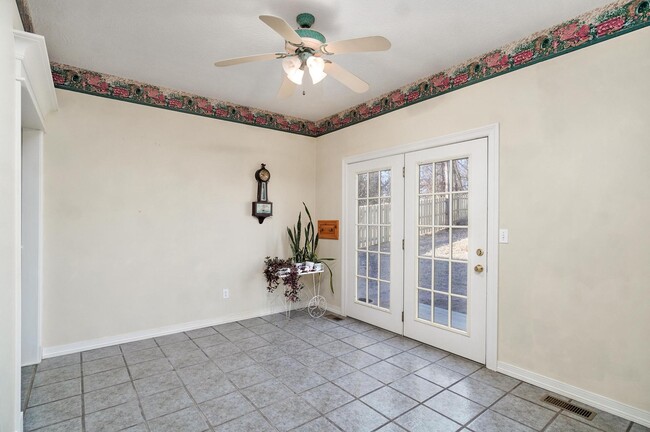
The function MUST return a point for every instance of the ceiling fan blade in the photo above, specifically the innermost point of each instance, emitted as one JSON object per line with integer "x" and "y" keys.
{"x": 249, "y": 59}
{"x": 286, "y": 89}
{"x": 281, "y": 27}
{"x": 346, "y": 78}
{"x": 370, "y": 43}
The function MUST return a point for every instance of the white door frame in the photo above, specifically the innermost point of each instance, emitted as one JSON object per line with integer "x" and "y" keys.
{"x": 32, "y": 247}
{"x": 491, "y": 132}
{"x": 35, "y": 99}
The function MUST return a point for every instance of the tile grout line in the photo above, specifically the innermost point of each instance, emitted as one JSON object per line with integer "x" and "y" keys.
{"x": 502, "y": 397}
{"x": 307, "y": 332}
{"x": 137, "y": 395}
{"x": 274, "y": 377}
{"x": 28, "y": 395}
{"x": 384, "y": 385}
{"x": 548, "y": 423}
{"x": 557, "y": 414}
{"x": 238, "y": 390}
{"x": 259, "y": 410}
{"x": 210, "y": 360}
{"x": 321, "y": 415}
{"x": 387, "y": 358}
{"x": 196, "y": 404}
{"x": 83, "y": 394}
{"x": 630, "y": 423}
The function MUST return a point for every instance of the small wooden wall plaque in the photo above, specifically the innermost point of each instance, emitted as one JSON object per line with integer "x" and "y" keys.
{"x": 328, "y": 229}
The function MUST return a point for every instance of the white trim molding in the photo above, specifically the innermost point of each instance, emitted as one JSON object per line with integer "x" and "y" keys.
{"x": 594, "y": 400}
{"x": 35, "y": 76}
{"x": 32, "y": 246}
{"x": 491, "y": 132}
{"x": 19, "y": 422}
{"x": 18, "y": 255}
{"x": 75, "y": 347}
{"x": 35, "y": 98}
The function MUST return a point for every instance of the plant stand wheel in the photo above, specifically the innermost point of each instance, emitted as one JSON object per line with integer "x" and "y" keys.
{"x": 317, "y": 306}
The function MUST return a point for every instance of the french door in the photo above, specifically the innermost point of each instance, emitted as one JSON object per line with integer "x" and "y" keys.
{"x": 445, "y": 255}
{"x": 375, "y": 216}
{"x": 437, "y": 213}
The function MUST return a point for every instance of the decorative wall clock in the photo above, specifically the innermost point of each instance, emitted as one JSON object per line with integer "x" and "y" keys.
{"x": 262, "y": 208}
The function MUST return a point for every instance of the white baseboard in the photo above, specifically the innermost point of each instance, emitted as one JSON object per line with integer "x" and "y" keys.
{"x": 335, "y": 310}
{"x": 576, "y": 393}
{"x": 75, "y": 347}
{"x": 19, "y": 422}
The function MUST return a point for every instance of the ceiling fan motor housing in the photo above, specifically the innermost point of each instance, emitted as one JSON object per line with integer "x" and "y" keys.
{"x": 311, "y": 34}
{"x": 305, "y": 21}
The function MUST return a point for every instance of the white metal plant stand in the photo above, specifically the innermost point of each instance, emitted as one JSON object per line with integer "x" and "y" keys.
{"x": 317, "y": 305}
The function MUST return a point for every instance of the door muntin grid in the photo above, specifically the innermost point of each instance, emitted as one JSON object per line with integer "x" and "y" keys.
{"x": 373, "y": 237}
{"x": 442, "y": 248}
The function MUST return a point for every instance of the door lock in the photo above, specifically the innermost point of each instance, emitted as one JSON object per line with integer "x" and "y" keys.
{"x": 478, "y": 268}
{"x": 479, "y": 252}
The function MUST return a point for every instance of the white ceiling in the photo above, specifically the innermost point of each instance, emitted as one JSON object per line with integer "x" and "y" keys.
{"x": 174, "y": 44}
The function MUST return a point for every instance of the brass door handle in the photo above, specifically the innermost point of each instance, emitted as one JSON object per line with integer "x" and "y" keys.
{"x": 478, "y": 268}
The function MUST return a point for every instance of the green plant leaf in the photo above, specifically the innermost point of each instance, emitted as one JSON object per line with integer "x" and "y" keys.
{"x": 330, "y": 272}
{"x": 306, "y": 210}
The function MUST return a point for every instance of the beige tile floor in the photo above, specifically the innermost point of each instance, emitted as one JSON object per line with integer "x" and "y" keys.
{"x": 274, "y": 374}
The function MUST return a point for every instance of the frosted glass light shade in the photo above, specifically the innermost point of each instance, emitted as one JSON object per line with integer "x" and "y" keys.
{"x": 316, "y": 66}
{"x": 291, "y": 66}
{"x": 296, "y": 76}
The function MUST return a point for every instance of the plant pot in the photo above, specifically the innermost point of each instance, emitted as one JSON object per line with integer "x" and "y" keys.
{"x": 300, "y": 266}
{"x": 318, "y": 267}
{"x": 309, "y": 265}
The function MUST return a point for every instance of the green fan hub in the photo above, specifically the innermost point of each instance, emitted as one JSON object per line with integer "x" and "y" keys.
{"x": 305, "y": 20}
{"x": 309, "y": 33}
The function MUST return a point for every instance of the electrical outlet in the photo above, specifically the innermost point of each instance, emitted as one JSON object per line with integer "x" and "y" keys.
{"x": 226, "y": 294}
{"x": 503, "y": 235}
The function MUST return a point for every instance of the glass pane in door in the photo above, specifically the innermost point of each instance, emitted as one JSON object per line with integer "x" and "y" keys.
{"x": 442, "y": 217}
{"x": 373, "y": 238}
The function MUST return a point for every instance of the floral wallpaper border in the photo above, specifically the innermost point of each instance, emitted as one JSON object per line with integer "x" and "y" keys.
{"x": 596, "y": 26}
{"x": 98, "y": 84}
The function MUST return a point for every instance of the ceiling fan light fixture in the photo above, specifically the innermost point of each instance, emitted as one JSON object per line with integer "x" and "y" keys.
{"x": 316, "y": 67}
{"x": 290, "y": 64}
{"x": 317, "y": 76}
{"x": 296, "y": 76}
{"x": 292, "y": 67}
{"x": 303, "y": 49}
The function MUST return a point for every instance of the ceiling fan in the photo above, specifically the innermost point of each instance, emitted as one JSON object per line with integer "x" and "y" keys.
{"x": 305, "y": 49}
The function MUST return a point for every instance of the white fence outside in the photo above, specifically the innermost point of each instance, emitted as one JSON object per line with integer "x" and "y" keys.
{"x": 431, "y": 212}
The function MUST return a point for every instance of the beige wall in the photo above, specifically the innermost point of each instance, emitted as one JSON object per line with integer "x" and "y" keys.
{"x": 147, "y": 212}
{"x": 574, "y": 303}
{"x": 147, "y": 217}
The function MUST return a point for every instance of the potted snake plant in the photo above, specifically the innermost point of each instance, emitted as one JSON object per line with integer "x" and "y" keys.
{"x": 304, "y": 249}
